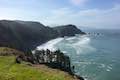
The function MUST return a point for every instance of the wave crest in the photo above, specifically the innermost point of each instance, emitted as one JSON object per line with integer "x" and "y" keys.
{"x": 79, "y": 44}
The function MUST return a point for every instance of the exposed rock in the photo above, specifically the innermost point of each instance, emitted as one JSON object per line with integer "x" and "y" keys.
{"x": 18, "y": 60}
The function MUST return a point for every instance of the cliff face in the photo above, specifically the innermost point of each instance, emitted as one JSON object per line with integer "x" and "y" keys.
{"x": 26, "y": 35}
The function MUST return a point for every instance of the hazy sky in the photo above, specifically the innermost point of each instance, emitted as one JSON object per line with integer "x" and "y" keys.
{"x": 89, "y": 13}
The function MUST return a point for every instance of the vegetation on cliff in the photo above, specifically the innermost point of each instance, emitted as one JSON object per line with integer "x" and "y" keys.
{"x": 27, "y": 35}
{"x": 10, "y": 70}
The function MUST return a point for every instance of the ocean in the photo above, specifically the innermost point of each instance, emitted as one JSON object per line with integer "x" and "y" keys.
{"x": 95, "y": 56}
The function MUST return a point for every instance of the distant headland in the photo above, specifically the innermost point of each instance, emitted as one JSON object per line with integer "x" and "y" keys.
{"x": 26, "y": 35}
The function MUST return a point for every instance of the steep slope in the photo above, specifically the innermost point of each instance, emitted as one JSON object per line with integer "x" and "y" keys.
{"x": 68, "y": 30}
{"x": 26, "y": 35}
{"x": 9, "y": 70}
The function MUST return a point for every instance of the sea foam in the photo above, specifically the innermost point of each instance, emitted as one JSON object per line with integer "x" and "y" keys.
{"x": 79, "y": 44}
{"x": 50, "y": 44}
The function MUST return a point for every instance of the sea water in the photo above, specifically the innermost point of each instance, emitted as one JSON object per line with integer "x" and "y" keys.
{"x": 95, "y": 56}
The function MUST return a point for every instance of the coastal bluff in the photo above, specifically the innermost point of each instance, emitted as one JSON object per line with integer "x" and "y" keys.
{"x": 14, "y": 65}
{"x": 27, "y": 35}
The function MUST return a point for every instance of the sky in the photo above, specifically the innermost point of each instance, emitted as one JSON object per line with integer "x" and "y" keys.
{"x": 85, "y": 13}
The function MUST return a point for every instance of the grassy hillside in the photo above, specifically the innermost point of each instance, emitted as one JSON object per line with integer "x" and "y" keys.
{"x": 5, "y": 51}
{"x": 9, "y": 70}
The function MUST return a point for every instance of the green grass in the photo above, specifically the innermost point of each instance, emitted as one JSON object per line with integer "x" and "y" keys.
{"x": 9, "y": 70}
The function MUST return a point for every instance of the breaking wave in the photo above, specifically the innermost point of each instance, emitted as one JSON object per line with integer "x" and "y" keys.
{"x": 78, "y": 44}
{"x": 50, "y": 44}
